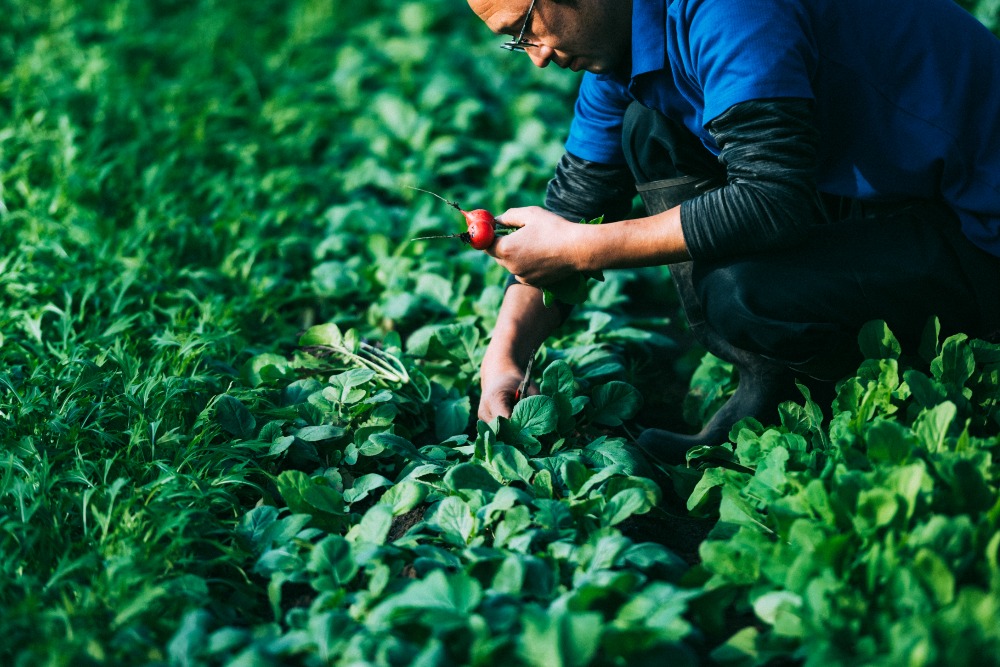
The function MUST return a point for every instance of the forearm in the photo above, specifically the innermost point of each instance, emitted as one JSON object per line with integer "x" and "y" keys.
{"x": 522, "y": 326}
{"x": 650, "y": 241}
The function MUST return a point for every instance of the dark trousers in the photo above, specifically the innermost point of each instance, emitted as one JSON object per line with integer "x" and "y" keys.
{"x": 803, "y": 306}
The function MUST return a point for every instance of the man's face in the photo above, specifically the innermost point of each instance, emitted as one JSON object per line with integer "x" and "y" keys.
{"x": 592, "y": 35}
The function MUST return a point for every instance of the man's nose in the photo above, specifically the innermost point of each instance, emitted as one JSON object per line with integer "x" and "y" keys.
{"x": 541, "y": 56}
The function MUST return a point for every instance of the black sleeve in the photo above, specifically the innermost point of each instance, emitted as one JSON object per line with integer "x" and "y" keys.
{"x": 582, "y": 189}
{"x": 769, "y": 150}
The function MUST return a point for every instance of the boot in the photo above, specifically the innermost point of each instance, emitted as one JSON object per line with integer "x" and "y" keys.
{"x": 763, "y": 384}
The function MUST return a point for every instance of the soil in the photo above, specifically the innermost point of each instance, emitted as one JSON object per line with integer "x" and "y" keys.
{"x": 681, "y": 534}
{"x": 402, "y": 523}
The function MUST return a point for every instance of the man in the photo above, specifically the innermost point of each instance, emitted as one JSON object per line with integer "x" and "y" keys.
{"x": 806, "y": 166}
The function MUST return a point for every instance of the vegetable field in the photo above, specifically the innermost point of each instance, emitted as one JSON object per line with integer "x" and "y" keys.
{"x": 237, "y": 401}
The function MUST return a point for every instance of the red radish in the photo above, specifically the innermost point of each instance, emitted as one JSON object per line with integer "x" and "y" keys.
{"x": 481, "y": 232}
{"x": 480, "y": 222}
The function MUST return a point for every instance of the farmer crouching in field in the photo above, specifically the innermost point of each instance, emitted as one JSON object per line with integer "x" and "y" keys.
{"x": 805, "y": 165}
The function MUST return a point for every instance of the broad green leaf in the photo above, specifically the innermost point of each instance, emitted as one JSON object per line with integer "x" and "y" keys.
{"x": 364, "y": 485}
{"x": 451, "y": 417}
{"x": 614, "y": 402}
{"x": 374, "y": 525}
{"x": 264, "y": 367}
{"x": 234, "y": 417}
{"x": 926, "y": 391}
{"x": 933, "y": 424}
{"x": 332, "y": 563}
{"x": 404, "y": 496}
{"x": 557, "y": 379}
{"x": 909, "y": 482}
{"x": 300, "y": 391}
{"x": 190, "y": 638}
{"x": 510, "y": 464}
{"x": 331, "y": 632}
{"x": 322, "y": 334}
{"x": 559, "y": 638}
{"x": 324, "y": 498}
{"x": 781, "y": 610}
{"x": 956, "y": 363}
{"x": 652, "y": 557}
{"x": 541, "y": 484}
{"x": 320, "y": 433}
{"x": 555, "y": 516}
{"x": 708, "y": 491}
{"x": 535, "y": 415}
{"x": 935, "y": 575}
{"x": 504, "y": 498}
{"x": 397, "y": 445}
{"x": 510, "y": 578}
{"x": 471, "y": 476}
{"x": 571, "y": 290}
{"x": 623, "y": 505}
{"x": 605, "y": 552}
{"x": 770, "y": 480}
{"x": 617, "y": 482}
{"x": 741, "y": 648}
{"x": 889, "y": 441}
{"x": 440, "y": 601}
{"x": 738, "y": 559}
{"x": 602, "y": 478}
{"x": 343, "y": 387}
{"x": 574, "y": 475}
{"x": 516, "y": 520}
{"x": 314, "y": 496}
{"x": 660, "y": 607}
{"x": 456, "y": 341}
{"x": 255, "y": 525}
{"x": 454, "y": 517}
{"x": 607, "y": 452}
{"x": 876, "y": 507}
{"x": 286, "y": 529}
{"x": 878, "y": 342}
{"x": 993, "y": 556}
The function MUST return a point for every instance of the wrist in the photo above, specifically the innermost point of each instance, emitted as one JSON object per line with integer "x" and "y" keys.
{"x": 585, "y": 244}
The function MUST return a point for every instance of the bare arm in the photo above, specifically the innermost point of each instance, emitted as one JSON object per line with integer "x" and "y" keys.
{"x": 522, "y": 326}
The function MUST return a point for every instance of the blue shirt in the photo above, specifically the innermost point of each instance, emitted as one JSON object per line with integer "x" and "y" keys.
{"x": 907, "y": 92}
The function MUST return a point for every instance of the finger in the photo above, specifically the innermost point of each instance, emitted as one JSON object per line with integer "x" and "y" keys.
{"x": 514, "y": 217}
{"x": 500, "y": 250}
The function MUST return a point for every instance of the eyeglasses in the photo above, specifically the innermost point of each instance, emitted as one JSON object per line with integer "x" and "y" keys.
{"x": 520, "y": 44}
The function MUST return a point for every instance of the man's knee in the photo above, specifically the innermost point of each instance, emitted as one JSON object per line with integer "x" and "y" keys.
{"x": 734, "y": 301}
{"x": 745, "y": 308}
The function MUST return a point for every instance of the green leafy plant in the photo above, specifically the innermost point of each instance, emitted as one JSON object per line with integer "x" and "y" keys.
{"x": 237, "y": 419}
